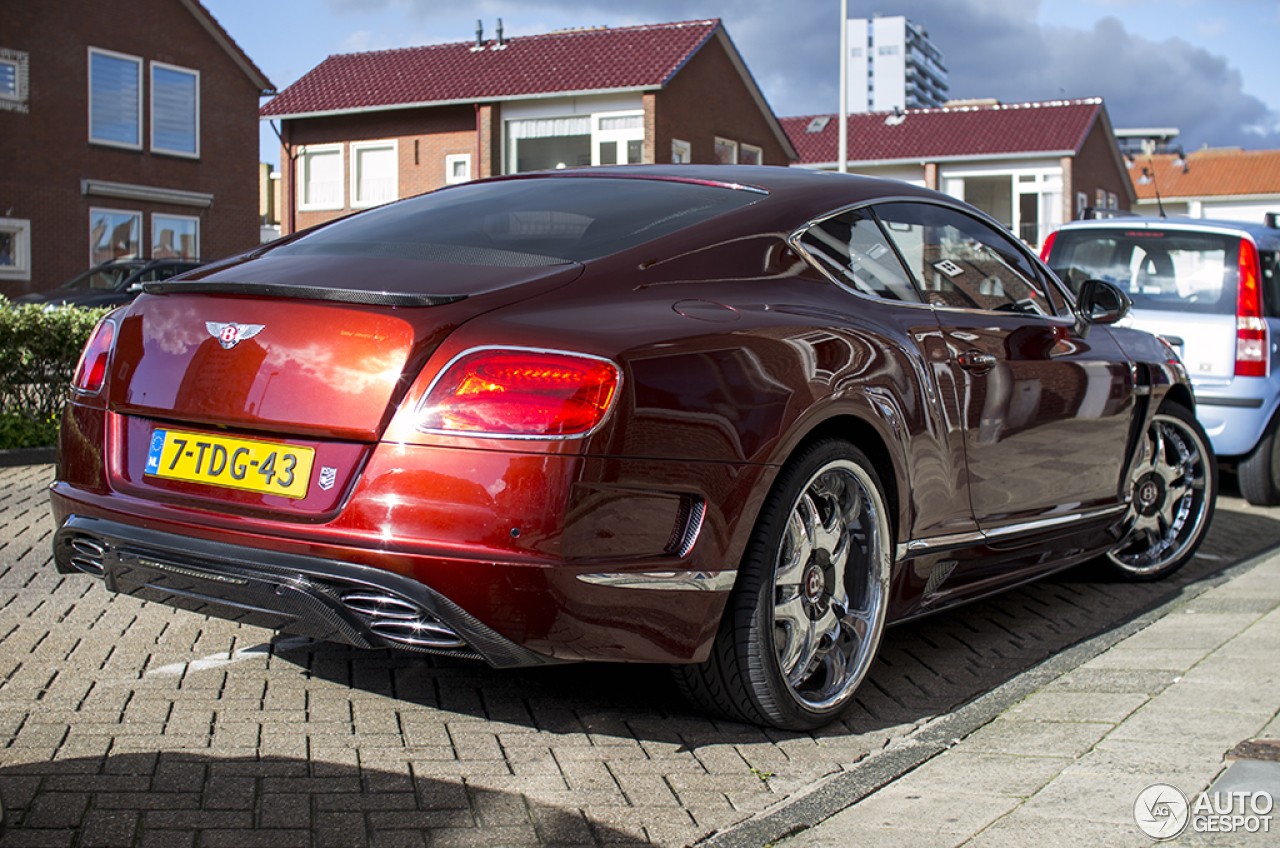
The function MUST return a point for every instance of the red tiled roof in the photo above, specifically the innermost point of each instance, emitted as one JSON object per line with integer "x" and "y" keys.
{"x": 1208, "y": 173}
{"x": 628, "y": 58}
{"x": 950, "y": 132}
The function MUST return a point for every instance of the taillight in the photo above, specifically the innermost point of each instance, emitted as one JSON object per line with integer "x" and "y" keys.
{"x": 520, "y": 393}
{"x": 1253, "y": 343}
{"x": 1048, "y": 247}
{"x": 91, "y": 372}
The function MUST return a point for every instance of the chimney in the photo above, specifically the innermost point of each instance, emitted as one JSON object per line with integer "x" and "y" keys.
{"x": 479, "y": 36}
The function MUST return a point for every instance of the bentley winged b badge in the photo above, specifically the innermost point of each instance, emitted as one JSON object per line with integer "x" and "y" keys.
{"x": 230, "y": 335}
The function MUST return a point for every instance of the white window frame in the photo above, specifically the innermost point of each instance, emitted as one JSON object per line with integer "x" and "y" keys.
{"x": 304, "y": 155}
{"x": 450, "y": 161}
{"x": 20, "y": 262}
{"x": 758, "y": 151}
{"x": 20, "y": 61}
{"x": 732, "y": 145}
{"x": 157, "y": 217}
{"x": 132, "y": 213}
{"x": 682, "y": 151}
{"x": 155, "y": 148}
{"x": 137, "y": 62}
{"x": 357, "y": 147}
{"x": 621, "y": 136}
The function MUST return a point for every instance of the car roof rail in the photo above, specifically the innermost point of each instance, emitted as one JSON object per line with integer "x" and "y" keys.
{"x": 1094, "y": 213}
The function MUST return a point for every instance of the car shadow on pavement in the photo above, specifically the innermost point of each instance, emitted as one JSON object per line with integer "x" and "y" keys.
{"x": 926, "y": 667}
{"x": 155, "y": 798}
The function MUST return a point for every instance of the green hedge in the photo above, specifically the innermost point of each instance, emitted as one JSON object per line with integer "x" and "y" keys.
{"x": 39, "y": 349}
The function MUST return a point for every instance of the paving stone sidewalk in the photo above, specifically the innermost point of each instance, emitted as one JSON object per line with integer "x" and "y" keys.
{"x": 1170, "y": 705}
{"x": 132, "y": 724}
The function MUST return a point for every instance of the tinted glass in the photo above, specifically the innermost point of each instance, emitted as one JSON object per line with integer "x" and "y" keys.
{"x": 1158, "y": 269}
{"x": 103, "y": 280}
{"x": 962, "y": 262}
{"x": 852, "y": 247}
{"x": 524, "y": 222}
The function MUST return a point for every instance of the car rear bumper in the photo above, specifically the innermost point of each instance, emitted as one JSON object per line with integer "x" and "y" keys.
{"x": 307, "y": 596}
{"x": 1235, "y": 417}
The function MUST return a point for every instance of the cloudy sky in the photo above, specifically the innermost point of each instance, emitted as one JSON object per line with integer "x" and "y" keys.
{"x": 1203, "y": 66}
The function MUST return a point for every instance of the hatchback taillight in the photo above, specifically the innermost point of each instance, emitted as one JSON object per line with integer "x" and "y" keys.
{"x": 1253, "y": 337}
{"x": 520, "y": 393}
{"x": 1048, "y": 247}
{"x": 91, "y": 372}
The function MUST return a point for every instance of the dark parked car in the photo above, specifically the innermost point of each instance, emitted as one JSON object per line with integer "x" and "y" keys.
{"x": 731, "y": 419}
{"x": 111, "y": 283}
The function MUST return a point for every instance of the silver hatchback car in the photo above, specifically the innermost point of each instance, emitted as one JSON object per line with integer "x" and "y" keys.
{"x": 1211, "y": 289}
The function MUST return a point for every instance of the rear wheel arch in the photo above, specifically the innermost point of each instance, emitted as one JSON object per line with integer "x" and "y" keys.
{"x": 1180, "y": 394}
{"x": 863, "y": 435}
{"x": 804, "y": 622}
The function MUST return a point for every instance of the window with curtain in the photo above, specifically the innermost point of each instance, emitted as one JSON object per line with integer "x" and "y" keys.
{"x": 374, "y": 168}
{"x": 115, "y": 99}
{"x": 538, "y": 144}
{"x": 175, "y": 110}
{"x": 320, "y": 185}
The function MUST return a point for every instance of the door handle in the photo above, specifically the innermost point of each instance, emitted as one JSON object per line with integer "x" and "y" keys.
{"x": 976, "y": 361}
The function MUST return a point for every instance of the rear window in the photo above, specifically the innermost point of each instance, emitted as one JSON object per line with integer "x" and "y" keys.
{"x": 524, "y": 222}
{"x": 1171, "y": 270}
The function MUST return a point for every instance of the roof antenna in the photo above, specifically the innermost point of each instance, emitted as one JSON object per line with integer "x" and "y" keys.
{"x": 1149, "y": 178}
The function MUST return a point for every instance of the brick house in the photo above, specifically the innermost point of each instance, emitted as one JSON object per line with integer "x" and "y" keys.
{"x": 364, "y": 128}
{"x": 1031, "y": 166}
{"x": 129, "y": 129}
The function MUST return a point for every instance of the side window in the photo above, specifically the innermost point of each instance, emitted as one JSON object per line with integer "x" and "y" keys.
{"x": 852, "y": 248}
{"x": 962, "y": 262}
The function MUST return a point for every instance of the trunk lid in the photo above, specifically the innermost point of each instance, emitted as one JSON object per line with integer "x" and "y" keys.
{"x": 303, "y": 346}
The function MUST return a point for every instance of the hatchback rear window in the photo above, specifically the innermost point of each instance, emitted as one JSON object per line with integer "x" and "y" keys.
{"x": 1172, "y": 270}
{"x": 525, "y": 222}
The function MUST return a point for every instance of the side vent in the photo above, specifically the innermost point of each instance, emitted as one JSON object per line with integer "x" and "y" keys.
{"x": 688, "y": 526}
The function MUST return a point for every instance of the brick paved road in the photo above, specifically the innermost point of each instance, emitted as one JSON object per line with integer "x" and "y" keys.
{"x": 131, "y": 724}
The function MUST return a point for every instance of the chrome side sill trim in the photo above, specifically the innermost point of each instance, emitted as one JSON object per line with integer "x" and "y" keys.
{"x": 685, "y": 581}
{"x": 938, "y": 544}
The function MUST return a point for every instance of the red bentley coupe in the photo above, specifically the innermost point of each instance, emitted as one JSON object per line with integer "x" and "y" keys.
{"x": 732, "y": 419}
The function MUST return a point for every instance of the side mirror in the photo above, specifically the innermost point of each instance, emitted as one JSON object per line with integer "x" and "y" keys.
{"x": 1101, "y": 302}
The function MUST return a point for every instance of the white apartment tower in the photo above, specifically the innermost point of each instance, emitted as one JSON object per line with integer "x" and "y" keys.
{"x": 893, "y": 65}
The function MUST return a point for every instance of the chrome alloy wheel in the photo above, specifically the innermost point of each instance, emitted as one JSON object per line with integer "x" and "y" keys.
{"x": 831, "y": 581}
{"x": 1172, "y": 488}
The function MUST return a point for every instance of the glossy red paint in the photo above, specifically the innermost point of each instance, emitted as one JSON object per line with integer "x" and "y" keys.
{"x": 732, "y": 351}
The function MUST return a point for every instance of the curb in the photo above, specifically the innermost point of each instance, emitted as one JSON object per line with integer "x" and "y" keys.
{"x": 27, "y": 456}
{"x": 799, "y": 813}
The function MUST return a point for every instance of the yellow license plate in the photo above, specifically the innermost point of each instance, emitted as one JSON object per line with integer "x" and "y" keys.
{"x": 266, "y": 467}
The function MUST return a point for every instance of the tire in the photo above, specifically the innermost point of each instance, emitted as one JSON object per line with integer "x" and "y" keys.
{"x": 1172, "y": 488}
{"x": 1259, "y": 471}
{"x": 805, "y": 619}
